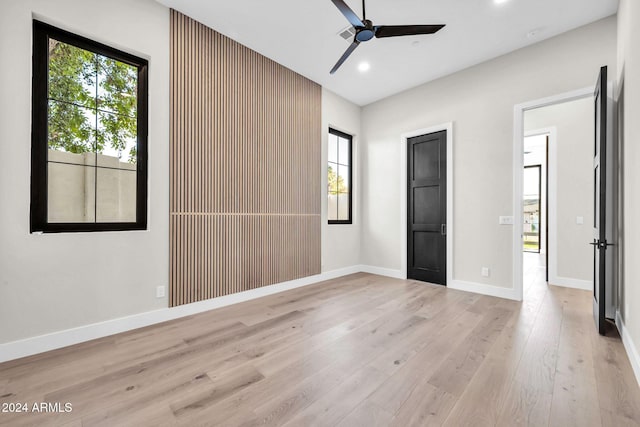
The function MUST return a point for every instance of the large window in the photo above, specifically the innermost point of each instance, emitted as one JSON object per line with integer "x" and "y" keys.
{"x": 339, "y": 177}
{"x": 89, "y": 135}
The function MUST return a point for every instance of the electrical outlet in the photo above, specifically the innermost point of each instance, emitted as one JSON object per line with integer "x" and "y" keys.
{"x": 485, "y": 272}
{"x": 579, "y": 220}
{"x": 160, "y": 292}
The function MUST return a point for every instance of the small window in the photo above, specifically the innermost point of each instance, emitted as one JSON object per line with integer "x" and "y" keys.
{"x": 339, "y": 177}
{"x": 89, "y": 135}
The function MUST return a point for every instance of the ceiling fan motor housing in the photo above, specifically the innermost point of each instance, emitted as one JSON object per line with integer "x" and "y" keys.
{"x": 365, "y": 33}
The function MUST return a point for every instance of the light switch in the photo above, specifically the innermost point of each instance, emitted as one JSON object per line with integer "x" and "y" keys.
{"x": 505, "y": 220}
{"x": 579, "y": 220}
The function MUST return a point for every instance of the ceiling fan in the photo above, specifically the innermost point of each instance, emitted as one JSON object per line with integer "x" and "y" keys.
{"x": 365, "y": 30}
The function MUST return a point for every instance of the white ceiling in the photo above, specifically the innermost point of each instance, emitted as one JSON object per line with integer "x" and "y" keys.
{"x": 303, "y": 35}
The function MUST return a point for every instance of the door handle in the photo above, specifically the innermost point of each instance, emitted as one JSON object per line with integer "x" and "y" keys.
{"x": 601, "y": 245}
{"x": 443, "y": 229}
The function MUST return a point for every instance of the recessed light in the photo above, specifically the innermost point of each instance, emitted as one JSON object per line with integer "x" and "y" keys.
{"x": 500, "y": 1}
{"x": 364, "y": 66}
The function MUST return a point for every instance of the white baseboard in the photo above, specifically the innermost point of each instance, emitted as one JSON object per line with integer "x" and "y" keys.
{"x": 629, "y": 346}
{"x": 479, "y": 288}
{"x": 334, "y": 274}
{"x": 396, "y": 274}
{"x": 567, "y": 282}
{"x": 39, "y": 344}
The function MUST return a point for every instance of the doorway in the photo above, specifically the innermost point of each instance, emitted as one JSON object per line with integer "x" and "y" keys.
{"x": 564, "y": 126}
{"x": 427, "y": 207}
{"x": 535, "y": 215}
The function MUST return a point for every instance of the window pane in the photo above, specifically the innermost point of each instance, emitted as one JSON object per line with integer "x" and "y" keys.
{"x": 343, "y": 179}
{"x": 332, "y": 154}
{"x": 116, "y": 142}
{"x": 332, "y": 205}
{"x": 83, "y": 159}
{"x": 343, "y": 151}
{"x": 332, "y": 178}
{"x": 343, "y": 207}
{"x": 71, "y": 128}
{"x": 117, "y": 87}
{"x": 72, "y": 74}
{"x": 71, "y": 193}
{"x": 116, "y": 195}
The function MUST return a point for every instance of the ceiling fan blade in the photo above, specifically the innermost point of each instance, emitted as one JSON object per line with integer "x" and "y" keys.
{"x": 345, "y": 55}
{"x": 405, "y": 30}
{"x": 348, "y": 13}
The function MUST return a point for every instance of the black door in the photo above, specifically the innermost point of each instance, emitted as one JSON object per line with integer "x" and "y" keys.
{"x": 600, "y": 203}
{"x": 427, "y": 208}
{"x": 546, "y": 213}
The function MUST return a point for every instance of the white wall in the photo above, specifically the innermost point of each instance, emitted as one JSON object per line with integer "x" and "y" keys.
{"x": 629, "y": 75}
{"x": 58, "y": 281}
{"x": 479, "y": 101}
{"x": 341, "y": 242}
{"x": 574, "y": 172}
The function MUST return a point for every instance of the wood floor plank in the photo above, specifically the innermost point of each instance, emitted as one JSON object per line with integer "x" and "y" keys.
{"x": 221, "y": 387}
{"x": 292, "y": 400}
{"x": 537, "y": 367}
{"x": 319, "y": 364}
{"x": 618, "y": 393}
{"x": 426, "y": 405}
{"x": 283, "y": 359}
{"x": 152, "y": 406}
{"x": 397, "y": 389}
{"x": 339, "y": 402}
{"x": 528, "y": 401}
{"x": 154, "y": 414}
{"x": 484, "y": 397}
{"x": 439, "y": 333}
{"x": 457, "y": 370}
{"x": 575, "y": 384}
{"x": 526, "y": 406}
{"x": 367, "y": 414}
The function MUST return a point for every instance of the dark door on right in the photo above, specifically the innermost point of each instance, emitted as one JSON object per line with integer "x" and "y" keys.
{"x": 427, "y": 208}
{"x": 600, "y": 220}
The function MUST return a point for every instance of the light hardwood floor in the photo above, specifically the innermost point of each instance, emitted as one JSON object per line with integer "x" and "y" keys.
{"x": 356, "y": 351}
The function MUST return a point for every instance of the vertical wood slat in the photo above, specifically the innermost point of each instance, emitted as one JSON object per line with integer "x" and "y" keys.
{"x": 244, "y": 167}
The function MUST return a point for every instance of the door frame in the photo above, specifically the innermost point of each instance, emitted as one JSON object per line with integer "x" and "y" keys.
{"x": 518, "y": 168}
{"x": 448, "y": 127}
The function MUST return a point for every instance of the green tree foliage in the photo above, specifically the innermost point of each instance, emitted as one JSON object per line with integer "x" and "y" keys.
{"x": 92, "y": 103}
{"x": 335, "y": 182}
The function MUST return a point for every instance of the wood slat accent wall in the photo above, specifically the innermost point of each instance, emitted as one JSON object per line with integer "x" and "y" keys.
{"x": 245, "y": 167}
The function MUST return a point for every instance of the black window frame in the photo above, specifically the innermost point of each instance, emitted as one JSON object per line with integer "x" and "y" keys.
{"x": 348, "y": 137}
{"x": 39, "y": 132}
